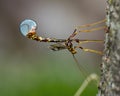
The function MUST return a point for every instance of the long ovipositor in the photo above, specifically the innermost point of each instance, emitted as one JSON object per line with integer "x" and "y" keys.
{"x": 28, "y": 28}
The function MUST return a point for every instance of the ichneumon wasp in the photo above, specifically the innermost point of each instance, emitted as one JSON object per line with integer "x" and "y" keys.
{"x": 28, "y": 28}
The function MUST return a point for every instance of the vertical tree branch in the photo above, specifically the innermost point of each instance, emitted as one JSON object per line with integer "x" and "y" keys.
{"x": 110, "y": 67}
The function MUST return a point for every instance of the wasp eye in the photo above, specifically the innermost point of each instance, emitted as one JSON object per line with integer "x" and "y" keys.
{"x": 27, "y": 25}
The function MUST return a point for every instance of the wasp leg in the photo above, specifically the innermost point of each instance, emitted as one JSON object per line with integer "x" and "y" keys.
{"x": 92, "y": 24}
{"x": 89, "y": 50}
{"x": 88, "y": 41}
{"x": 78, "y": 28}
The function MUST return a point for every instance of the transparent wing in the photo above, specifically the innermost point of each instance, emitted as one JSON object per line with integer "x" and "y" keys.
{"x": 57, "y": 47}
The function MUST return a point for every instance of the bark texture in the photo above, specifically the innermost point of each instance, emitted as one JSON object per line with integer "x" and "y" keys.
{"x": 110, "y": 67}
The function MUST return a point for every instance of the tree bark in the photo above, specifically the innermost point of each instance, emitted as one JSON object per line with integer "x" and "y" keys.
{"x": 110, "y": 67}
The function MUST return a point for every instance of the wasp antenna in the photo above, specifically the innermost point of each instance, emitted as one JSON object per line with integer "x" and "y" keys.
{"x": 83, "y": 71}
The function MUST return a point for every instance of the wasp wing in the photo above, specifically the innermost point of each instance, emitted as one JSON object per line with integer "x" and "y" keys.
{"x": 57, "y": 47}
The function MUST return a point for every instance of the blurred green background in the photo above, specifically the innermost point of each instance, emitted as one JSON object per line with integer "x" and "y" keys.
{"x": 29, "y": 68}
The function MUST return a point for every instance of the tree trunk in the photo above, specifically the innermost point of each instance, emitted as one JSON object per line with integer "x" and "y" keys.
{"x": 110, "y": 67}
